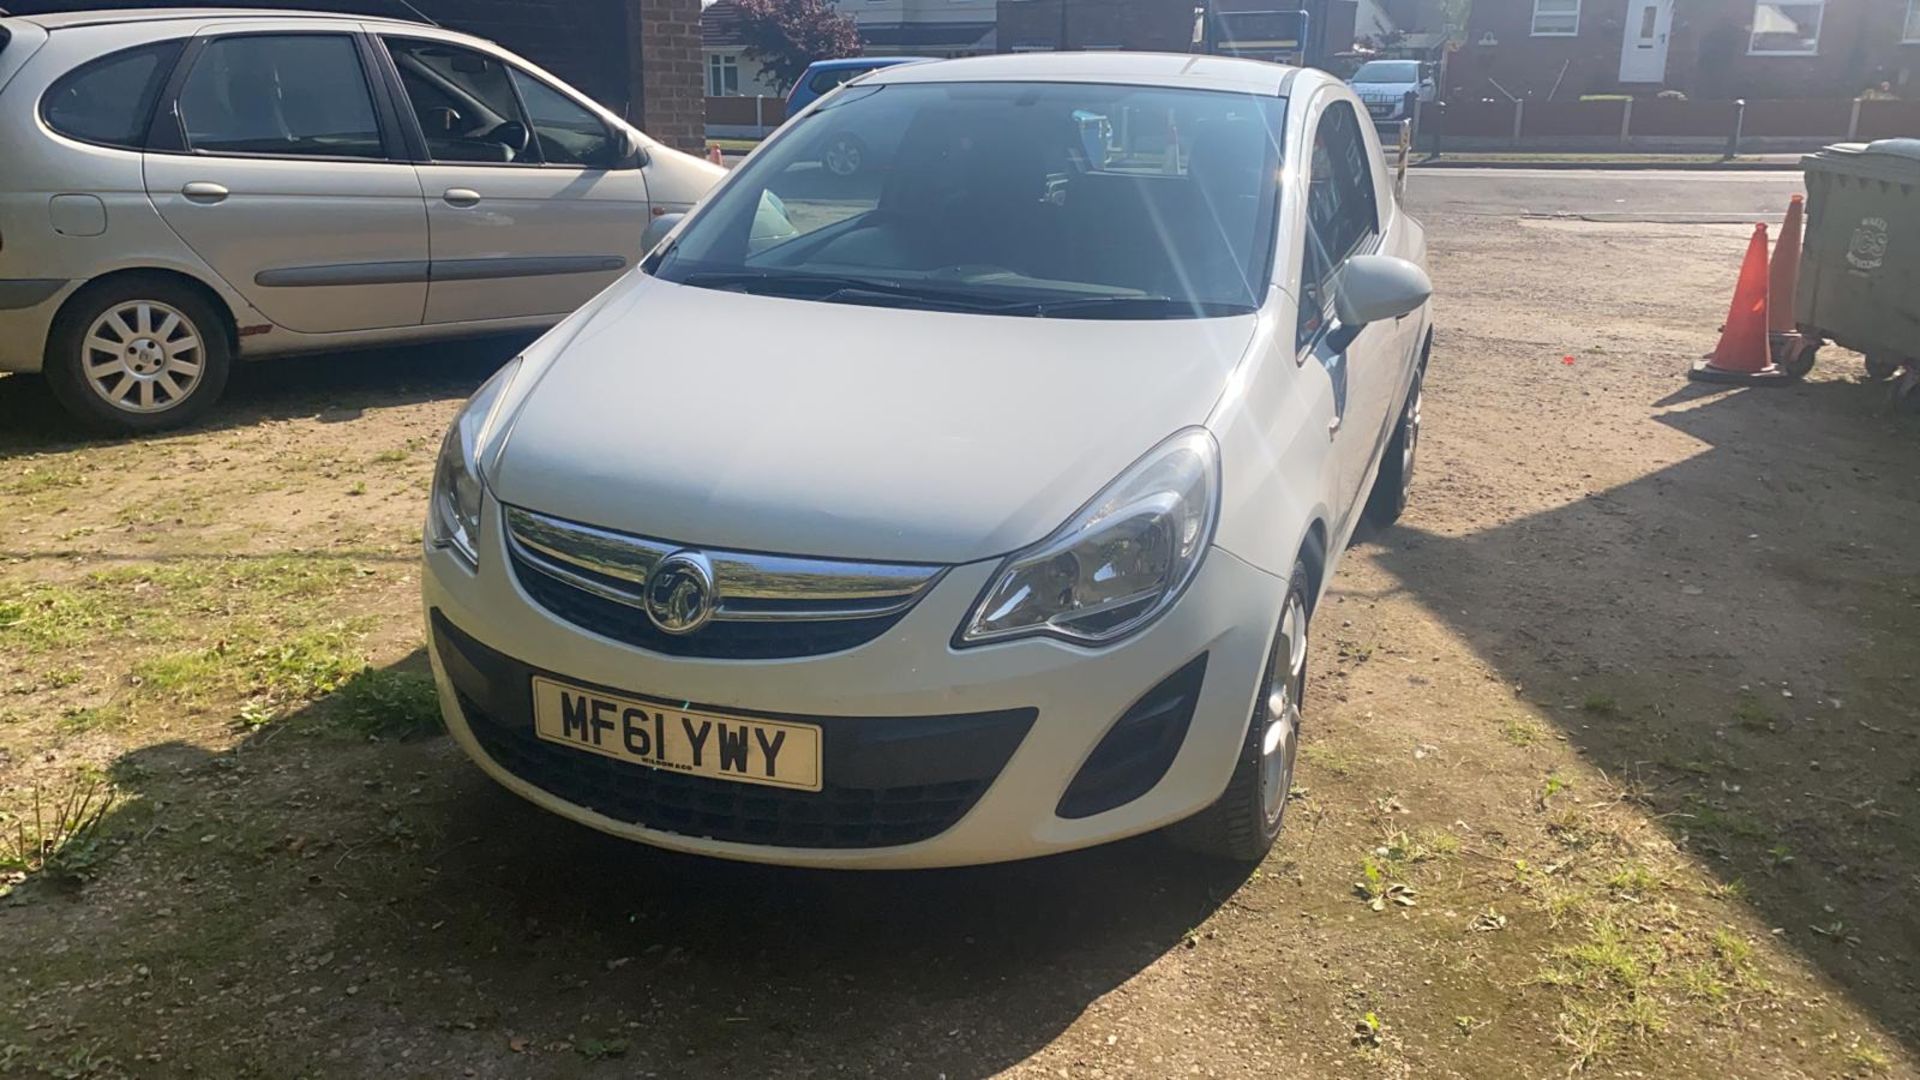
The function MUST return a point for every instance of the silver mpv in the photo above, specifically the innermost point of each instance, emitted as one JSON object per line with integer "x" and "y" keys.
{"x": 181, "y": 188}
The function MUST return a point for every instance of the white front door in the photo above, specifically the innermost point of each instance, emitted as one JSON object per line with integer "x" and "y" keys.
{"x": 1643, "y": 45}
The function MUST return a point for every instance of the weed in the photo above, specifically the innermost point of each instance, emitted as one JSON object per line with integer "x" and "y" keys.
{"x": 1731, "y": 890}
{"x": 1633, "y": 879}
{"x": 46, "y": 615}
{"x": 1779, "y": 856}
{"x": 45, "y": 478}
{"x": 1600, "y": 705}
{"x": 60, "y": 835}
{"x": 1861, "y": 1057}
{"x": 359, "y": 487}
{"x": 1400, "y": 846}
{"x": 388, "y": 704}
{"x": 1368, "y": 1030}
{"x": 390, "y": 457}
{"x": 1521, "y": 731}
{"x": 1754, "y": 716}
{"x": 91, "y": 717}
{"x": 1374, "y": 888}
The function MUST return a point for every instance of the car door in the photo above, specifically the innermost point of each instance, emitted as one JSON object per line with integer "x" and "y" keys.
{"x": 531, "y": 208}
{"x": 278, "y": 161}
{"x": 1343, "y": 220}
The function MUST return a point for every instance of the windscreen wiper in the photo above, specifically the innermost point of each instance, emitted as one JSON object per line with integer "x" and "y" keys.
{"x": 844, "y": 288}
{"x": 1127, "y": 307}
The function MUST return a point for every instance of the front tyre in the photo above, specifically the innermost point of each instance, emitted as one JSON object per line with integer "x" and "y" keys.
{"x": 1393, "y": 484}
{"x": 1243, "y": 823}
{"x": 137, "y": 354}
{"x": 845, "y": 155}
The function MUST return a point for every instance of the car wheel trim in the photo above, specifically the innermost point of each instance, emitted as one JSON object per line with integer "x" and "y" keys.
{"x": 843, "y": 157}
{"x": 1410, "y": 445}
{"x": 143, "y": 356}
{"x": 1280, "y": 712}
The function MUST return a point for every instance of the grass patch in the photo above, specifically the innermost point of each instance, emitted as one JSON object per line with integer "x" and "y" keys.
{"x": 1425, "y": 845}
{"x": 1609, "y": 983}
{"x": 1753, "y": 716}
{"x": 42, "y": 478}
{"x": 1601, "y": 705}
{"x": 1338, "y": 762}
{"x": 389, "y": 457}
{"x": 1633, "y": 879}
{"x": 388, "y": 704}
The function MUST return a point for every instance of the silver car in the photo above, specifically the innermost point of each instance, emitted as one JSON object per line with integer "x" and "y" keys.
{"x": 180, "y": 189}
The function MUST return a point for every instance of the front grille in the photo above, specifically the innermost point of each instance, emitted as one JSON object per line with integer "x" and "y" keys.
{"x": 764, "y": 606}
{"x": 717, "y": 640}
{"x": 887, "y": 780}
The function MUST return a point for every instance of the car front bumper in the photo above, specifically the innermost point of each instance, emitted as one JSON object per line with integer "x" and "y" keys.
{"x": 901, "y": 715}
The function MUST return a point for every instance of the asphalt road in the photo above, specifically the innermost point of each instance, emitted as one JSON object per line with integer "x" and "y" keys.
{"x": 1604, "y": 195}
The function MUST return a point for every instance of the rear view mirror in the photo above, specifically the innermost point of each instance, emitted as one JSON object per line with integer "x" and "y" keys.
{"x": 657, "y": 230}
{"x": 629, "y": 154}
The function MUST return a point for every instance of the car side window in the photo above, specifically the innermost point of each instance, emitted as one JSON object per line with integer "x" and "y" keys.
{"x": 110, "y": 101}
{"x": 466, "y": 103}
{"x": 569, "y": 134}
{"x": 285, "y": 95}
{"x": 1342, "y": 216}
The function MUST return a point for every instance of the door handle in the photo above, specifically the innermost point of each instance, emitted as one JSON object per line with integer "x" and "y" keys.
{"x": 205, "y": 191}
{"x": 461, "y": 197}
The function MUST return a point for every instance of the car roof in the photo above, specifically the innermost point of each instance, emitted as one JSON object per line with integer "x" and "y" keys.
{"x": 864, "y": 62}
{"x": 1194, "y": 71}
{"x": 64, "y": 20}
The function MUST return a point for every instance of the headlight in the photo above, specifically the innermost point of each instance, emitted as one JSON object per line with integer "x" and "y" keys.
{"x": 1120, "y": 561}
{"x": 454, "y": 517}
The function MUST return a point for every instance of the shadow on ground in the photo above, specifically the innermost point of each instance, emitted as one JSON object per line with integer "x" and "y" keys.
{"x": 1736, "y": 638}
{"x": 311, "y": 900}
{"x": 333, "y": 387}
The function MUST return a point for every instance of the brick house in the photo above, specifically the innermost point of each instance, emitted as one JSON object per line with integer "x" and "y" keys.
{"x": 937, "y": 28}
{"x": 731, "y": 71}
{"x": 1709, "y": 49}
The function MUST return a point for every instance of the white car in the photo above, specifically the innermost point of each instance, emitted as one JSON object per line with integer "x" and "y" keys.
{"x": 983, "y": 515}
{"x": 183, "y": 188}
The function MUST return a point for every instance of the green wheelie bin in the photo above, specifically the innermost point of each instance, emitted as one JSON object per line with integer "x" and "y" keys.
{"x": 1860, "y": 265}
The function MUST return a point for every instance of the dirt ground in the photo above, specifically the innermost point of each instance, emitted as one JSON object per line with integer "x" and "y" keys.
{"x": 1625, "y": 709}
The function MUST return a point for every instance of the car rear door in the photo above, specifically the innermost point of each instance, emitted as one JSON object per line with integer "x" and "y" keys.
{"x": 278, "y": 160}
{"x": 531, "y": 207}
{"x": 1343, "y": 220}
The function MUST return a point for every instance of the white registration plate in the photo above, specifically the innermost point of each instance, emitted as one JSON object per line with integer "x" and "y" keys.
{"x": 742, "y": 749}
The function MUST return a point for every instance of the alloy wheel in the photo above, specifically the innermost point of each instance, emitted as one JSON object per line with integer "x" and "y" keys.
{"x": 1410, "y": 445}
{"x": 1280, "y": 713}
{"x": 142, "y": 356}
{"x": 843, "y": 157}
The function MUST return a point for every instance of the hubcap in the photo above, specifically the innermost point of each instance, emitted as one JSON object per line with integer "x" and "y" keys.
{"x": 1411, "y": 444}
{"x": 143, "y": 356}
{"x": 843, "y": 157}
{"x": 1280, "y": 713}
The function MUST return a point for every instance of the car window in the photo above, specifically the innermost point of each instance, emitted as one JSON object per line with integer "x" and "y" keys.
{"x": 110, "y": 100}
{"x": 1104, "y": 201}
{"x": 465, "y": 102}
{"x": 1342, "y": 216}
{"x": 826, "y": 80}
{"x": 297, "y": 95}
{"x": 569, "y": 134}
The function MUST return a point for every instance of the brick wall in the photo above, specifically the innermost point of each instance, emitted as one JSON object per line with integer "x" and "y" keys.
{"x": 663, "y": 43}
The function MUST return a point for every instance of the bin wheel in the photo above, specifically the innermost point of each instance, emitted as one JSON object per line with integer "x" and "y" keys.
{"x": 1881, "y": 367}
{"x": 1799, "y": 359}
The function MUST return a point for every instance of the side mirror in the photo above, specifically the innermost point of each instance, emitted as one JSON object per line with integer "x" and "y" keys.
{"x": 627, "y": 145}
{"x": 1374, "y": 288}
{"x": 657, "y": 230}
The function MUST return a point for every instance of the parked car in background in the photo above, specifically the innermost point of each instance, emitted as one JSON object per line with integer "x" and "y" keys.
{"x": 849, "y": 154}
{"x": 1023, "y": 474}
{"x": 181, "y": 189}
{"x": 1383, "y": 85}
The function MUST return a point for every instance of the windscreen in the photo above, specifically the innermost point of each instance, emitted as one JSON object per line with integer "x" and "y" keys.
{"x": 1388, "y": 71}
{"x": 1051, "y": 199}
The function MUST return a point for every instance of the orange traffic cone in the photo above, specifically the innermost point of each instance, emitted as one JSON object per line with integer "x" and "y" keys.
{"x": 713, "y": 155}
{"x": 1783, "y": 340}
{"x": 1742, "y": 355}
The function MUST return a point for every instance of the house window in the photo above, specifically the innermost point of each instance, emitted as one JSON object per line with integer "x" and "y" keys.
{"x": 1556, "y": 18}
{"x": 1913, "y": 22}
{"x": 723, "y": 75}
{"x": 1786, "y": 27}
